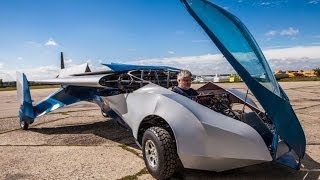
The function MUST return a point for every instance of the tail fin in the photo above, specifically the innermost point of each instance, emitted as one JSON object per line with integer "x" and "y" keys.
{"x": 26, "y": 111}
{"x": 62, "y": 61}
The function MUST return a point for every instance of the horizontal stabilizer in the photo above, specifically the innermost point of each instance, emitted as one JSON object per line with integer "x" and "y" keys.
{"x": 63, "y": 97}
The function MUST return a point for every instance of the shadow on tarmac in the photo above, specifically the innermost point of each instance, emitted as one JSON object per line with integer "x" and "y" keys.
{"x": 270, "y": 170}
{"x": 106, "y": 129}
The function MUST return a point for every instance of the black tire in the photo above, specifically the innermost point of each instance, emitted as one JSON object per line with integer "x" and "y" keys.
{"x": 167, "y": 157}
{"x": 104, "y": 114}
{"x": 24, "y": 125}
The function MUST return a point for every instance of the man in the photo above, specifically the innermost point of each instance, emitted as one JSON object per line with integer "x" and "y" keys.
{"x": 184, "y": 79}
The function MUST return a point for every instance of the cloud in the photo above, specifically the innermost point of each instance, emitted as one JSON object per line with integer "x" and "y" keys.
{"x": 171, "y": 52}
{"x": 51, "y": 42}
{"x": 203, "y": 64}
{"x": 6, "y": 77}
{"x": 265, "y": 3}
{"x": 314, "y": 2}
{"x": 292, "y": 58}
{"x": 68, "y": 63}
{"x": 289, "y": 58}
{"x": 269, "y": 3}
{"x": 271, "y": 33}
{"x": 44, "y": 72}
{"x": 289, "y": 32}
{"x": 298, "y": 52}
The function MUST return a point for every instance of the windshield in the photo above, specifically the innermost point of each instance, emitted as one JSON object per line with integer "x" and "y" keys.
{"x": 238, "y": 41}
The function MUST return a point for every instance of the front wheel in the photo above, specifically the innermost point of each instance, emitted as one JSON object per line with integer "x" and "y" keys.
{"x": 159, "y": 152}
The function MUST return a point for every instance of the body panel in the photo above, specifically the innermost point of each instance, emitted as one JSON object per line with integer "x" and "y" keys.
{"x": 202, "y": 135}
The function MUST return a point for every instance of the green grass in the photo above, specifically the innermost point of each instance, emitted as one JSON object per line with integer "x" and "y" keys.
{"x": 31, "y": 87}
{"x": 125, "y": 147}
{"x": 135, "y": 176}
{"x": 141, "y": 172}
{"x": 64, "y": 113}
{"x": 8, "y": 89}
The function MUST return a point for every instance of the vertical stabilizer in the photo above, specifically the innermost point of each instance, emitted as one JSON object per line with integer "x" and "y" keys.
{"x": 62, "y": 61}
{"x": 26, "y": 111}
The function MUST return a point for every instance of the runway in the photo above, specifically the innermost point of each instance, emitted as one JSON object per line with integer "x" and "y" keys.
{"x": 77, "y": 142}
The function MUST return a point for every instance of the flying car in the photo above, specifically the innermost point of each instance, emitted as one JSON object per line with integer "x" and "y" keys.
{"x": 173, "y": 130}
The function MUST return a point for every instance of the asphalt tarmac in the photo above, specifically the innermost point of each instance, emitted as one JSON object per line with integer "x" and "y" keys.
{"x": 77, "y": 142}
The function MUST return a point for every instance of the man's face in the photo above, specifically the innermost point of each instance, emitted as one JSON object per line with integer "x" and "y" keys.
{"x": 184, "y": 83}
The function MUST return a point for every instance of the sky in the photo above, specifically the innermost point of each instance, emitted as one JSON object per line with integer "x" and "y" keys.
{"x": 33, "y": 33}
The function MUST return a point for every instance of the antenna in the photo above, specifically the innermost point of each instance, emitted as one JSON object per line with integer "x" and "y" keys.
{"x": 62, "y": 61}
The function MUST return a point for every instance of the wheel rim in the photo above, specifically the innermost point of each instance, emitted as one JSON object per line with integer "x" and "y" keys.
{"x": 151, "y": 154}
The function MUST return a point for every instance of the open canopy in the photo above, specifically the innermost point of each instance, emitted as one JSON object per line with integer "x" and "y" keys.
{"x": 243, "y": 53}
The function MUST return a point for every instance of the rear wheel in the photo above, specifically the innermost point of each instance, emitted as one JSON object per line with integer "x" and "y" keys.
{"x": 159, "y": 152}
{"x": 24, "y": 125}
{"x": 104, "y": 114}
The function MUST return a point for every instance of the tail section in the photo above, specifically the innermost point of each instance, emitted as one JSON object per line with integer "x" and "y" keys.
{"x": 58, "y": 99}
{"x": 68, "y": 71}
{"x": 62, "y": 61}
{"x": 26, "y": 111}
